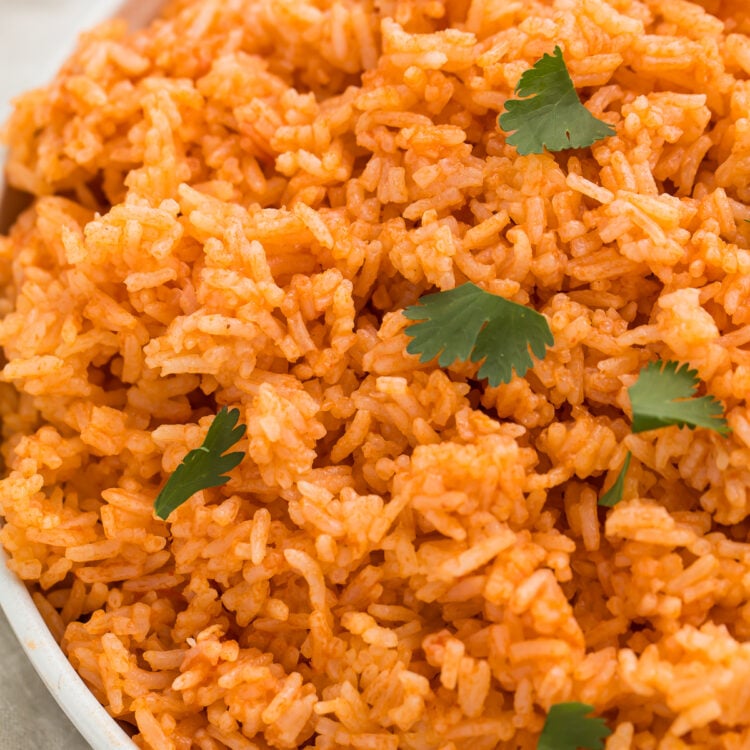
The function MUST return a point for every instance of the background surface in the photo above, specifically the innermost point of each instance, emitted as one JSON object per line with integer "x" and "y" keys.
{"x": 35, "y": 36}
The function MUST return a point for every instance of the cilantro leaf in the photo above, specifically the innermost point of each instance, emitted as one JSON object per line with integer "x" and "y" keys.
{"x": 468, "y": 323}
{"x": 204, "y": 466}
{"x": 663, "y": 395}
{"x": 568, "y": 727}
{"x": 614, "y": 494}
{"x": 553, "y": 115}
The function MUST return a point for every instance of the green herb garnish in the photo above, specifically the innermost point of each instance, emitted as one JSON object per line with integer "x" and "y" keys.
{"x": 568, "y": 727}
{"x": 614, "y": 494}
{"x": 552, "y": 116}
{"x": 467, "y": 323}
{"x": 664, "y": 395}
{"x": 205, "y": 466}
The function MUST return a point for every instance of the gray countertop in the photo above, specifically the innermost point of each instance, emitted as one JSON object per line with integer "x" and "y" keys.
{"x": 34, "y": 36}
{"x": 29, "y": 717}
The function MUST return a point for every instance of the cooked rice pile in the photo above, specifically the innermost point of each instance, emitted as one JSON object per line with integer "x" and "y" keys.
{"x": 233, "y": 208}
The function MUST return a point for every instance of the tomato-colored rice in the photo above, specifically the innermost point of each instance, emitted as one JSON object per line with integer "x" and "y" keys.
{"x": 232, "y": 207}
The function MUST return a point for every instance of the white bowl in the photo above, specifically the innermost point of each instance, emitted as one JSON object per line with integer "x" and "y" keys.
{"x": 97, "y": 727}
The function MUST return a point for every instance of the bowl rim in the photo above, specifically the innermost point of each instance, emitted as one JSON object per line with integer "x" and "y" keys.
{"x": 70, "y": 692}
{"x": 89, "y": 717}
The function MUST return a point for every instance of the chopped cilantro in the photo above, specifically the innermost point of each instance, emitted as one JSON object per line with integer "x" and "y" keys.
{"x": 663, "y": 395}
{"x": 204, "y": 466}
{"x": 468, "y": 323}
{"x": 614, "y": 494}
{"x": 552, "y": 116}
{"x": 568, "y": 727}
